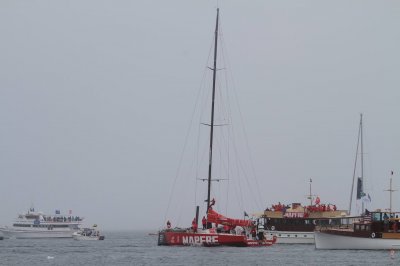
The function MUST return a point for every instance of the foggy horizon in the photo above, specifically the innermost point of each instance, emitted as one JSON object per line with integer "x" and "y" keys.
{"x": 96, "y": 99}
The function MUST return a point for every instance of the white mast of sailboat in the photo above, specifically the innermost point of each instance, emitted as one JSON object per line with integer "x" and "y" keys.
{"x": 360, "y": 186}
{"x": 362, "y": 163}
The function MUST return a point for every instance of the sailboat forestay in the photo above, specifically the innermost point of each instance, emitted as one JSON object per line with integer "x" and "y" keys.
{"x": 253, "y": 233}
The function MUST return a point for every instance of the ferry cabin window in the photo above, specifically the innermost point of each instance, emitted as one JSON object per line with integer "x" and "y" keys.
{"x": 22, "y": 225}
{"x": 59, "y": 225}
{"x": 31, "y": 216}
{"x": 293, "y": 221}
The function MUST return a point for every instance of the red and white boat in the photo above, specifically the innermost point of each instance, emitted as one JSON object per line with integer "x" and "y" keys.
{"x": 241, "y": 237}
{"x": 236, "y": 232}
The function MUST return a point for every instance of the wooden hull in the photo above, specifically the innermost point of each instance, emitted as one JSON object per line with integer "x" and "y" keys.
{"x": 173, "y": 238}
{"x": 324, "y": 240}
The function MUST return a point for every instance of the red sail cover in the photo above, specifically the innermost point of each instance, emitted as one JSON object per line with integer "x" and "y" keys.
{"x": 215, "y": 217}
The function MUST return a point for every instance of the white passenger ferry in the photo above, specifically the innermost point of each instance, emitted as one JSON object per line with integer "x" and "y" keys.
{"x": 38, "y": 225}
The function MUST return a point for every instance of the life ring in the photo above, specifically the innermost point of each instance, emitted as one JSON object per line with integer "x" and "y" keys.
{"x": 373, "y": 235}
{"x": 272, "y": 228}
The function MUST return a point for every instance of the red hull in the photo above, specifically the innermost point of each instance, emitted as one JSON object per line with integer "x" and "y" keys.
{"x": 172, "y": 238}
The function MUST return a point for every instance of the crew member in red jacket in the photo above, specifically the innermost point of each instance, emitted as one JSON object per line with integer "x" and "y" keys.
{"x": 194, "y": 225}
{"x": 204, "y": 222}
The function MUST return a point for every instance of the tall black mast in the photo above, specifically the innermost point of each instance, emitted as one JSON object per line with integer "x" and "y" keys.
{"x": 212, "y": 112}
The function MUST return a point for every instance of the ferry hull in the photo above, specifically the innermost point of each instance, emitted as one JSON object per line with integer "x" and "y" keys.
{"x": 25, "y": 234}
{"x": 170, "y": 238}
{"x": 332, "y": 241}
{"x": 293, "y": 237}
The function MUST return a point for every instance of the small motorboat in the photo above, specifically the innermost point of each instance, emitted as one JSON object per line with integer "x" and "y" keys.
{"x": 88, "y": 234}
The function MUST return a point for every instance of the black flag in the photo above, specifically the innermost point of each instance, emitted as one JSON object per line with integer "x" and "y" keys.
{"x": 359, "y": 188}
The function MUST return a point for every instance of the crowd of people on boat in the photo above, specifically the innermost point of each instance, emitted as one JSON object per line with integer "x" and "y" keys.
{"x": 278, "y": 207}
{"x": 62, "y": 219}
{"x": 311, "y": 208}
{"x": 390, "y": 221}
{"x": 322, "y": 208}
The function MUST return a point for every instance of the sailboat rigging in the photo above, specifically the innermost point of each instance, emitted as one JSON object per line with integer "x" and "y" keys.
{"x": 360, "y": 180}
{"x": 239, "y": 232}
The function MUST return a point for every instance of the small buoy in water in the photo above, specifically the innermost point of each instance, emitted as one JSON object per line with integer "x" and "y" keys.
{"x": 50, "y": 257}
{"x": 392, "y": 253}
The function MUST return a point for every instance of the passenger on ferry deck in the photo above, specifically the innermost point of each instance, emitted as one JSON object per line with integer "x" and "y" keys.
{"x": 385, "y": 222}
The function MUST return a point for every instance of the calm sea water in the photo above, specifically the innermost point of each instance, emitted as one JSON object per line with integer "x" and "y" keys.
{"x": 138, "y": 248}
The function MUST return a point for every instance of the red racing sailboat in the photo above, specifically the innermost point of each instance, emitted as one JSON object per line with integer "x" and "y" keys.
{"x": 214, "y": 237}
{"x": 235, "y": 232}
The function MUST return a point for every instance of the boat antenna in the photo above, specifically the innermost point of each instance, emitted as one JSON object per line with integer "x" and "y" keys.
{"x": 310, "y": 196}
{"x": 390, "y": 192}
{"x": 214, "y": 69}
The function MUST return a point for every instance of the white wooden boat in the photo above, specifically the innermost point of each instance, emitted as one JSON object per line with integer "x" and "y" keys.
{"x": 371, "y": 230}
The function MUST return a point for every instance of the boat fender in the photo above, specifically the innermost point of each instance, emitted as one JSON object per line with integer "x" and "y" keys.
{"x": 373, "y": 235}
{"x": 272, "y": 228}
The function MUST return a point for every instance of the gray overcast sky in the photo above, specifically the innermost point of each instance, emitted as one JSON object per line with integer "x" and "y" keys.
{"x": 95, "y": 99}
